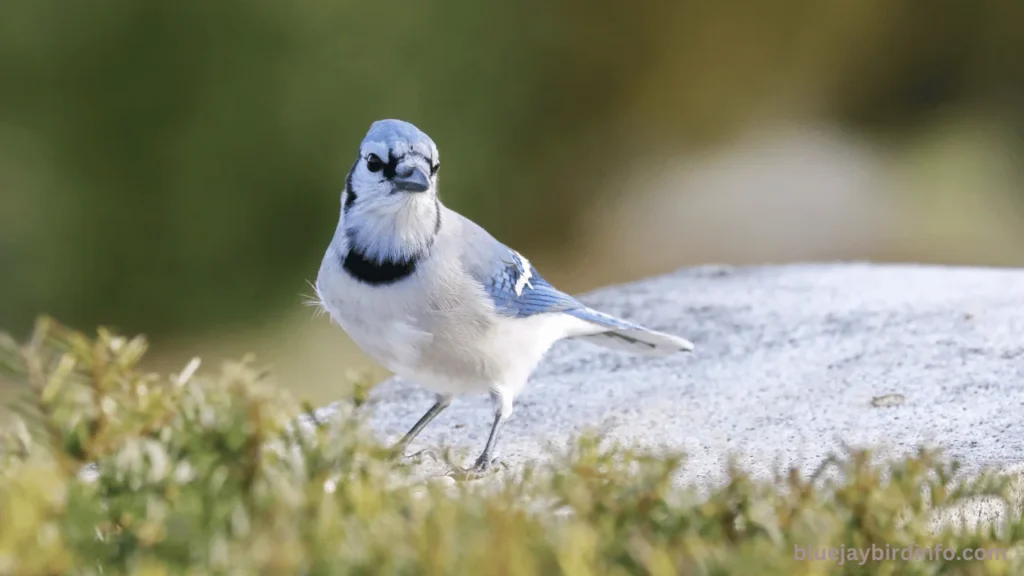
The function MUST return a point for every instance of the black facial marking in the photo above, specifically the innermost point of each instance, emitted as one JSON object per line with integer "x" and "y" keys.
{"x": 377, "y": 273}
{"x": 392, "y": 166}
{"x": 350, "y": 195}
{"x": 373, "y": 163}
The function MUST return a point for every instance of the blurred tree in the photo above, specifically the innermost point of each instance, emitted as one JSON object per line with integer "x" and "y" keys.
{"x": 173, "y": 166}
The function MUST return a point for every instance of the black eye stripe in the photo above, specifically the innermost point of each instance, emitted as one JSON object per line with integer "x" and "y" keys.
{"x": 350, "y": 194}
{"x": 375, "y": 164}
{"x": 391, "y": 166}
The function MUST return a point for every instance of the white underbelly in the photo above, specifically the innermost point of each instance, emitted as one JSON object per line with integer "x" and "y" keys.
{"x": 392, "y": 337}
{"x": 446, "y": 345}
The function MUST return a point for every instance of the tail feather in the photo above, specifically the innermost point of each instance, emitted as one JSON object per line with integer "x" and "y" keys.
{"x": 628, "y": 337}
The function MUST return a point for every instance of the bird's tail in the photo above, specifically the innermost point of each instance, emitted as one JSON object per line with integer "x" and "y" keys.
{"x": 625, "y": 336}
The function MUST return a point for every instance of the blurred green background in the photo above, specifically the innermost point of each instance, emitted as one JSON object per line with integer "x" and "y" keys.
{"x": 174, "y": 168}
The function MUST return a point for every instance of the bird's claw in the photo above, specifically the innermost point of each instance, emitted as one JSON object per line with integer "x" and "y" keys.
{"x": 479, "y": 470}
{"x": 419, "y": 455}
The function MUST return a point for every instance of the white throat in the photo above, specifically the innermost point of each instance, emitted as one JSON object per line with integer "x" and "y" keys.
{"x": 394, "y": 228}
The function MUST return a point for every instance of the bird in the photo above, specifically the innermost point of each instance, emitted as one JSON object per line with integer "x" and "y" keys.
{"x": 436, "y": 299}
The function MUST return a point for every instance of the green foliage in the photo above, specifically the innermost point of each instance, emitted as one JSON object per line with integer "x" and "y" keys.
{"x": 201, "y": 147}
{"x": 107, "y": 470}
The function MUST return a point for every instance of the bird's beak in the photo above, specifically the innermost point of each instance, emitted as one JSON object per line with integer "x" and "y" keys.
{"x": 415, "y": 181}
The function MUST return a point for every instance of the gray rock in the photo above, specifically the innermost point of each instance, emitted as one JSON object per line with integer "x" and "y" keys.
{"x": 790, "y": 361}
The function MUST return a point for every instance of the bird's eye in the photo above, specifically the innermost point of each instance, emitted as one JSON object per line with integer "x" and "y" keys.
{"x": 435, "y": 168}
{"x": 374, "y": 163}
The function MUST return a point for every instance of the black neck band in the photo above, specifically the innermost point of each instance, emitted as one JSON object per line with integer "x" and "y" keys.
{"x": 377, "y": 273}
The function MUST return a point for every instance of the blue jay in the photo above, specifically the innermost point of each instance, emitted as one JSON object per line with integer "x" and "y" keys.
{"x": 435, "y": 298}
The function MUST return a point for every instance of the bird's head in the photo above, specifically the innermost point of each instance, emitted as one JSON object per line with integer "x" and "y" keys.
{"x": 390, "y": 208}
{"x": 396, "y": 162}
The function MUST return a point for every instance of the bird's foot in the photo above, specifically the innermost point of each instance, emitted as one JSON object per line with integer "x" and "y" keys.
{"x": 417, "y": 457}
{"x": 397, "y": 454}
{"x": 480, "y": 469}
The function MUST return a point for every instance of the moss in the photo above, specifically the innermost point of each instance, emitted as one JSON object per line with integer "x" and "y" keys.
{"x": 108, "y": 470}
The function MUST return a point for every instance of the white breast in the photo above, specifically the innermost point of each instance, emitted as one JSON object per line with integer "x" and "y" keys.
{"x": 381, "y": 320}
{"x": 438, "y": 328}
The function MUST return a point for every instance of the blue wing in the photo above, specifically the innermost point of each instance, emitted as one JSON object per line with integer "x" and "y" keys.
{"x": 515, "y": 286}
{"x": 517, "y": 289}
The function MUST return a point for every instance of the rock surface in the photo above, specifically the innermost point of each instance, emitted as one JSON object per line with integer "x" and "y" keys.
{"x": 790, "y": 361}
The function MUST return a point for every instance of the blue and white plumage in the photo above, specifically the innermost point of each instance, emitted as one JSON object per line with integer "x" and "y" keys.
{"x": 435, "y": 298}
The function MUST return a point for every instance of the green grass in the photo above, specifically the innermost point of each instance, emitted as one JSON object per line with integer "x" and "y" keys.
{"x": 199, "y": 473}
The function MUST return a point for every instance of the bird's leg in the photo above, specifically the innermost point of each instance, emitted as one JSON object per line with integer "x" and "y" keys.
{"x": 443, "y": 401}
{"x": 502, "y": 411}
